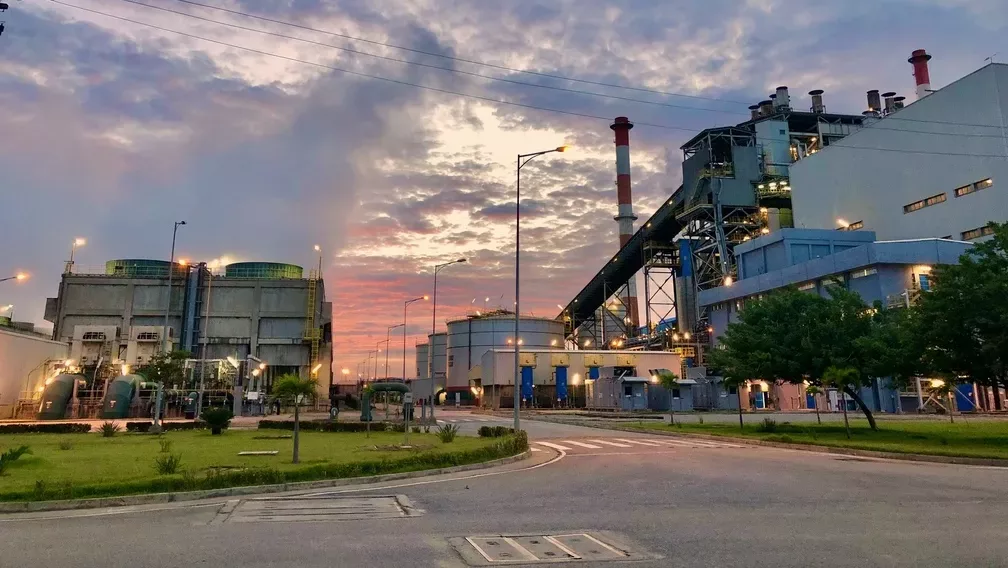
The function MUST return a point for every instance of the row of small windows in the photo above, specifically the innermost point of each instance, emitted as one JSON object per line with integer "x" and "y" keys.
{"x": 977, "y": 233}
{"x": 836, "y": 280}
{"x": 941, "y": 197}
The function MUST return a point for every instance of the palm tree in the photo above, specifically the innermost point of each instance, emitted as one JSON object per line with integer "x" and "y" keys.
{"x": 669, "y": 380}
{"x": 296, "y": 390}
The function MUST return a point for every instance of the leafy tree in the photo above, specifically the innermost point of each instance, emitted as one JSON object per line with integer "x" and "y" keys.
{"x": 295, "y": 390}
{"x": 166, "y": 368}
{"x": 669, "y": 380}
{"x": 815, "y": 391}
{"x": 840, "y": 378}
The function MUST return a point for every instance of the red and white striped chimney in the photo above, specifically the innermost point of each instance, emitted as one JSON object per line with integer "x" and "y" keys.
{"x": 621, "y": 126}
{"x": 919, "y": 58}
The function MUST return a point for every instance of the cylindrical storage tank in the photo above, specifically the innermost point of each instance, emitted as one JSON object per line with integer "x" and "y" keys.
{"x": 438, "y": 358}
{"x": 143, "y": 268}
{"x": 263, "y": 270}
{"x": 56, "y": 397}
{"x": 422, "y": 368}
{"x": 470, "y": 338}
{"x": 119, "y": 396}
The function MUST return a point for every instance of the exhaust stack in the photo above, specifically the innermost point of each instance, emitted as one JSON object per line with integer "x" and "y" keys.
{"x": 874, "y": 102}
{"x": 621, "y": 127}
{"x": 919, "y": 59}
{"x": 817, "y": 103}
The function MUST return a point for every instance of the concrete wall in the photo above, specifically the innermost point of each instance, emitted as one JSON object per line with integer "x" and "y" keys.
{"x": 22, "y": 359}
{"x": 853, "y": 181}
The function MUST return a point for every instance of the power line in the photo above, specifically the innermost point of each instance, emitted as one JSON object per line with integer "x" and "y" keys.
{"x": 429, "y": 66}
{"x": 511, "y": 69}
{"x": 468, "y": 95}
{"x": 511, "y": 81}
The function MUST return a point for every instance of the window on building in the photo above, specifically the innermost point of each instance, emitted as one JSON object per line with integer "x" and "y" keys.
{"x": 977, "y": 233}
{"x": 93, "y": 336}
{"x": 148, "y": 336}
{"x": 927, "y": 202}
{"x": 627, "y": 390}
{"x": 451, "y": 360}
{"x": 807, "y": 286}
{"x": 964, "y": 190}
{"x": 675, "y": 393}
{"x": 865, "y": 272}
{"x": 732, "y": 389}
{"x": 855, "y": 226}
{"x": 974, "y": 187}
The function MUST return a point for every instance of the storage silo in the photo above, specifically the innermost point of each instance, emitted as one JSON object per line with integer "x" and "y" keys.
{"x": 437, "y": 358}
{"x": 422, "y": 366}
{"x": 469, "y": 338}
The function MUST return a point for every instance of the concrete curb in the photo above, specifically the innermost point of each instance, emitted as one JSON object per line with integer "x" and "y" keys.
{"x": 160, "y": 498}
{"x": 926, "y": 458}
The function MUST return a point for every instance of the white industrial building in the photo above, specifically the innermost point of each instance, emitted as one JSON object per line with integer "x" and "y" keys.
{"x": 27, "y": 359}
{"x": 935, "y": 168}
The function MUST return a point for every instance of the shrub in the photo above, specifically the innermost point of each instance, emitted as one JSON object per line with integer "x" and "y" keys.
{"x": 167, "y": 464}
{"x": 165, "y": 445}
{"x": 109, "y": 429}
{"x": 65, "y": 445}
{"x": 69, "y": 428}
{"x": 495, "y": 431}
{"x": 322, "y": 426}
{"x": 398, "y": 427}
{"x": 769, "y": 425}
{"x": 218, "y": 419}
{"x": 12, "y": 455}
{"x": 786, "y": 439}
{"x": 416, "y": 429}
{"x": 447, "y": 433}
{"x": 144, "y": 427}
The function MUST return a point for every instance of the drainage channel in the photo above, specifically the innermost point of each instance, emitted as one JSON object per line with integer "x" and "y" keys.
{"x": 573, "y": 546}
{"x": 316, "y": 509}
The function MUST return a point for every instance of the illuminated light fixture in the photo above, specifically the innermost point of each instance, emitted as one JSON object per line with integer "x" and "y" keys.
{"x": 746, "y": 238}
{"x": 728, "y": 280}
{"x": 922, "y": 269}
{"x": 255, "y": 372}
{"x": 587, "y": 342}
{"x": 48, "y": 381}
{"x": 318, "y": 248}
{"x": 773, "y": 185}
{"x": 575, "y": 378}
{"x": 21, "y": 276}
{"x": 654, "y": 379}
{"x": 649, "y": 224}
{"x": 68, "y": 363}
{"x": 842, "y": 222}
{"x": 262, "y": 367}
{"x": 426, "y": 297}
{"x": 521, "y": 341}
{"x": 761, "y": 186}
{"x": 125, "y": 369}
{"x": 686, "y": 336}
{"x": 559, "y": 306}
{"x": 764, "y": 210}
{"x": 813, "y": 139}
{"x": 79, "y": 241}
{"x": 710, "y": 329}
{"x": 937, "y": 383}
{"x": 233, "y": 361}
{"x": 765, "y": 230}
{"x": 553, "y": 342}
{"x": 41, "y": 389}
{"x": 316, "y": 368}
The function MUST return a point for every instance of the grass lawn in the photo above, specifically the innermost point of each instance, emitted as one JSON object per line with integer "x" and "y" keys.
{"x": 976, "y": 439}
{"x": 95, "y": 466}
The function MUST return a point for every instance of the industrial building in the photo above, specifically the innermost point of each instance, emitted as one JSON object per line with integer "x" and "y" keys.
{"x": 266, "y": 319}
{"x": 936, "y": 168}
{"x": 27, "y": 360}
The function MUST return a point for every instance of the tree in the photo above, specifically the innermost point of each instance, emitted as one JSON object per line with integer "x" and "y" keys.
{"x": 841, "y": 378}
{"x": 669, "y": 381}
{"x": 166, "y": 368}
{"x": 295, "y": 390}
{"x": 815, "y": 391}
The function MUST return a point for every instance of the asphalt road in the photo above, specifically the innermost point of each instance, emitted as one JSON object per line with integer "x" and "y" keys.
{"x": 666, "y": 502}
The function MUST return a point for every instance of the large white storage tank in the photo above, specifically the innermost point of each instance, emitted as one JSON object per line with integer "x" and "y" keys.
{"x": 437, "y": 344}
{"x": 422, "y": 367}
{"x": 469, "y": 338}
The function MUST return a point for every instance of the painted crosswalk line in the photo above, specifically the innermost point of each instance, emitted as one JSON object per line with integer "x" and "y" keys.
{"x": 583, "y": 445}
{"x": 614, "y": 444}
{"x": 639, "y": 442}
{"x": 554, "y": 446}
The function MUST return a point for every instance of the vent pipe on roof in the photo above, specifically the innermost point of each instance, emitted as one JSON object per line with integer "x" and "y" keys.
{"x": 766, "y": 108}
{"x": 874, "y": 102}
{"x": 898, "y": 102}
{"x": 754, "y": 112}
{"x": 817, "y": 102}
{"x": 919, "y": 58}
{"x": 782, "y": 98}
{"x": 889, "y": 103}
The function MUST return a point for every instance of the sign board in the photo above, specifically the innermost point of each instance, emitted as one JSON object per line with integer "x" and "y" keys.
{"x": 407, "y": 398}
{"x": 560, "y": 359}
{"x": 593, "y": 360}
{"x": 625, "y": 360}
{"x": 527, "y": 359}
{"x": 687, "y": 351}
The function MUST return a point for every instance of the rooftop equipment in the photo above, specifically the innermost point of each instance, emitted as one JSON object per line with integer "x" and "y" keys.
{"x": 817, "y": 101}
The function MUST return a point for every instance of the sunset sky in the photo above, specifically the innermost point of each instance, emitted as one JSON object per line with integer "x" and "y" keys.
{"x": 111, "y": 130}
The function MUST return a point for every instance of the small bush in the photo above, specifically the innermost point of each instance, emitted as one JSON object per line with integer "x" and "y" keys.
{"x": 495, "y": 431}
{"x": 323, "y": 426}
{"x": 416, "y": 429}
{"x": 165, "y": 445}
{"x": 217, "y": 418}
{"x": 398, "y": 427}
{"x": 70, "y": 428}
{"x": 144, "y": 427}
{"x": 12, "y": 455}
{"x": 786, "y": 439}
{"x": 769, "y": 425}
{"x": 447, "y": 433}
{"x": 65, "y": 445}
{"x": 109, "y": 429}
{"x": 167, "y": 464}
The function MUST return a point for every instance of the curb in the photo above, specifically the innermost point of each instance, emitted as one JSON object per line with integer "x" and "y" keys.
{"x": 160, "y": 498}
{"x": 924, "y": 458}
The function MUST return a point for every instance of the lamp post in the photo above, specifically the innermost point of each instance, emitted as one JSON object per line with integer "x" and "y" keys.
{"x": 78, "y": 242}
{"x": 406, "y": 305}
{"x": 318, "y": 249}
{"x": 437, "y": 268}
{"x": 522, "y": 160}
{"x": 171, "y": 270}
{"x": 19, "y": 277}
{"x": 388, "y": 337}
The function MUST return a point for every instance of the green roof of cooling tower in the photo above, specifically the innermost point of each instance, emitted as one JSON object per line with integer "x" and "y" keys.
{"x": 142, "y": 268}
{"x": 265, "y": 270}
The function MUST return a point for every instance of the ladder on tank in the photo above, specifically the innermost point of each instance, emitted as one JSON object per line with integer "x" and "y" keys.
{"x": 311, "y": 332}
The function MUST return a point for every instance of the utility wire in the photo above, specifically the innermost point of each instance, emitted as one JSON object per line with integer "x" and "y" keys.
{"x": 515, "y": 70}
{"x": 473, "y": 96}
{"x": 515, "y": 82}
{"x": 429, "y": 66}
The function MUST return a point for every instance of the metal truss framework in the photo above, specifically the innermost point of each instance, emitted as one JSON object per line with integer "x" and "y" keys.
{"x": 661, "y": 260}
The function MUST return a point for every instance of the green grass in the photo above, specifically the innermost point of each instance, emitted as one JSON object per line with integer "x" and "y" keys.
{"x": 977, "y": 439}
{"x": 125, "y": 464}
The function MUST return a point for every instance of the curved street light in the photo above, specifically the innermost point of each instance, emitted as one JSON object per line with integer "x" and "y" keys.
{"x": 406, "y": 305}
{"x": 19, "y": 277}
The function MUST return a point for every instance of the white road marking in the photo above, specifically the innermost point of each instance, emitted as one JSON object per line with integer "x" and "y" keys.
{"x": 641, "y": 442}
{"x": 583, "y": 445}
{"x": 534, "y": 449}
{"x": 554, "y": 446}
{"x": 611, "y": 444}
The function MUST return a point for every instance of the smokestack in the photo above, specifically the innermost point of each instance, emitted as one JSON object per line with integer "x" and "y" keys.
{"x": 773, "y": 101}
{"x": 783, "y": 98}
{"x": 874, "y": 102}
{"x": 919, "y": 58}
{"x": 766, "y": 108}
{"x": 889, "y": 103}
{"x": 898, "y": 103}
{"x": 817, "y": 103}
{"x": 754, "y": 112}
{"x": 621, "y": 127}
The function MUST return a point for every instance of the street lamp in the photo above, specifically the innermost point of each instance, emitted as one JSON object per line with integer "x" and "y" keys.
{"x": 388, "y": 337}
{"x": 318, "y": 249}
{"x": 19, "y": 277}
{"x": 437, "y": 268}
{"x": 522, "y": 160}
{"x": 171, "y": 269}
{"x": 78, "y": 242}
{"x": 406, "y": 305}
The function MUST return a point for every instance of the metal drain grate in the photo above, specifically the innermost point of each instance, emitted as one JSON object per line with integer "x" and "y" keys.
{"x": 545, "y": 548}
{"x": 316, "y": 509}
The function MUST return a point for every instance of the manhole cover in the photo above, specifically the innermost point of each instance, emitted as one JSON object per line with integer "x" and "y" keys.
{"x": 574, "y": 546}
{"x": 314, "y": 509}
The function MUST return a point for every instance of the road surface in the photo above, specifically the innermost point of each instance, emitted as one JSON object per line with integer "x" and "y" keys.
{"x": 585, "y": 493}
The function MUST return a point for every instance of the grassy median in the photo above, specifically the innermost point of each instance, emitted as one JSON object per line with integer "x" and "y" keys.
{"x": 975, "y": 439}
{"x": 65, "y": 466}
